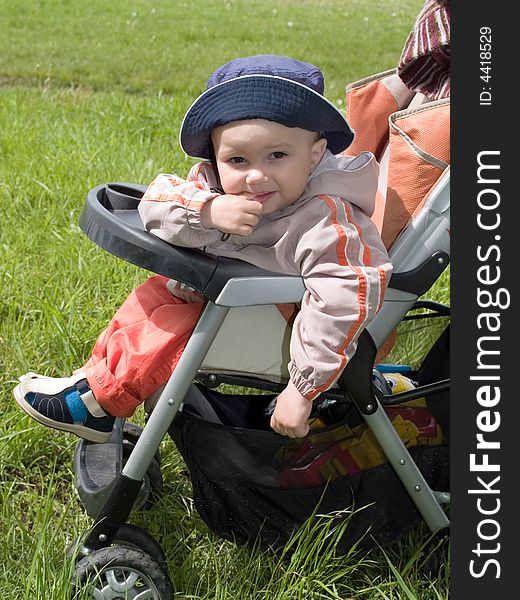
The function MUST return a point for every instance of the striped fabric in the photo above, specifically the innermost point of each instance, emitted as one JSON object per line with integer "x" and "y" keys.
{"x": 424, "y": 65}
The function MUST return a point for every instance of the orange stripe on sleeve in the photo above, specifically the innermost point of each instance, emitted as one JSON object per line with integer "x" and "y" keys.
{"x": 362, "y": 296}
{"x": 382, "y": 278}
{"x": 367, "y": 255}
{"x": 362, "y": 292}
{"x": 175, "y": 180}
{"x": 342, "y": 236}
{"x": 169, "y": 198}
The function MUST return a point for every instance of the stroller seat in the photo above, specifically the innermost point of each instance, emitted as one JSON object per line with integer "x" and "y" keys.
{"x": 419, "y": 251}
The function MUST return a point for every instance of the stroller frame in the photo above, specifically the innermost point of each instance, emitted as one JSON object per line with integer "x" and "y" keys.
{"x": 419, "y": 255}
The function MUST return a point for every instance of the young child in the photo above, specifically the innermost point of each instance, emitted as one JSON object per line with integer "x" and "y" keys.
{"x": 271, "y": 192}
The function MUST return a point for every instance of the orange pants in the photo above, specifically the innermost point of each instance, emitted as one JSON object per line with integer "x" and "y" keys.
{"x": 137, "y": 352}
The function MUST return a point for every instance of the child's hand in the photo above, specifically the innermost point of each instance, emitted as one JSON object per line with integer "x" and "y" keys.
{"x": 291, "y": 413}
{"x": 231, "y": 214}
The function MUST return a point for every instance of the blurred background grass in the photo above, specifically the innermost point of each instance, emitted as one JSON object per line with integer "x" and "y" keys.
{"x": 160, "y": 45}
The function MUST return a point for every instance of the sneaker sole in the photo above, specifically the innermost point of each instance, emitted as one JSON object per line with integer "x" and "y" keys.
{"x": 80, "y": 430}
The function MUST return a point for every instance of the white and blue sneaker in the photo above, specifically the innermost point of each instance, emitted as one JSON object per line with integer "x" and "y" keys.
{"x": 64, "y": 403}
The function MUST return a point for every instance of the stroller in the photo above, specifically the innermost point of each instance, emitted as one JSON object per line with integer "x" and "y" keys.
{"x": 379, "y": 438}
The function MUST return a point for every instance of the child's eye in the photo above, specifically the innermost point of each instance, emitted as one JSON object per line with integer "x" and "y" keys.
{"x": 278, "y": 154}
{"x": 237, "y": 160}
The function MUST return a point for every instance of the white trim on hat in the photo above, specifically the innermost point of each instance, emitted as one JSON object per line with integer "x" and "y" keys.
{"x": 321, "y": 97}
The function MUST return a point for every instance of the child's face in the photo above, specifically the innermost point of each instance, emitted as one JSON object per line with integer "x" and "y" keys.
{"x": 266, "y": 161}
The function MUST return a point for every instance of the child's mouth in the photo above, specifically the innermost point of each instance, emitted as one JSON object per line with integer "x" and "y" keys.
{"x": 263, "y": 198}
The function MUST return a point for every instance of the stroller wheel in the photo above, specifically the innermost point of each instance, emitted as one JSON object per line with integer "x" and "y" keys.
{"x": 120, "y": 572}
{"x": 435, "y": 555}
{"x": 132, "y": 536}
{"x": 129, "y": 536}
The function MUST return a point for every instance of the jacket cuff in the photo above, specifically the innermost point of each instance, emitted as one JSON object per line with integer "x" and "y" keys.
{"x": 194, "y": 208}
{"x": 302, "y": 384}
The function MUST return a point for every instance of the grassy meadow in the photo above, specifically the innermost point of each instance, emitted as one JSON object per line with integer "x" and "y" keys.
{"x": 92, "y": 92}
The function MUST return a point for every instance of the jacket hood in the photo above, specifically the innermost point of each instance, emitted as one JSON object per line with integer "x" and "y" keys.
{"x": 351, "y": 177}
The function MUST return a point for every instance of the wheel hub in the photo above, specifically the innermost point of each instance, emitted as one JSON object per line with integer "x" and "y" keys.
{"x": 123, "y": 583}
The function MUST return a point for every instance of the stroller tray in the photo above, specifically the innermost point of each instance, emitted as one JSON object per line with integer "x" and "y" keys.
{"x": 111, "y": 220}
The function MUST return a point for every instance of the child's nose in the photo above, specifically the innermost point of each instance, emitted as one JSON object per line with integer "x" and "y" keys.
{"x": 256, "y": 176}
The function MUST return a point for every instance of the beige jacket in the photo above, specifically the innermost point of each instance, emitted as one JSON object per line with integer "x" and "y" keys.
{"x": 326, "y": 237}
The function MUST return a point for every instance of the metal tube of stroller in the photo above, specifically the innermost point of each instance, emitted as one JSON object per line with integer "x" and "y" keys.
{"x": 173, "y": 394}
{"x": 407, "y": 470}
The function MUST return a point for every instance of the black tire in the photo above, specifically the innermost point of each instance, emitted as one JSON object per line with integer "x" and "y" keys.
{"x": 120, "y": 570}
{"x": 133, "y": 536}
{"x": 435, "y": 556}
{"x": 130, "y": 536}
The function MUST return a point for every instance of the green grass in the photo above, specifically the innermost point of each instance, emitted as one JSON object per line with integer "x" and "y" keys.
{"x": 169, "y": 46}
{"x": 95, "y": 92}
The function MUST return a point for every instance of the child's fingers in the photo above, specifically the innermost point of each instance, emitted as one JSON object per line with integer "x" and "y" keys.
{"x": 254, "y": 208}
{"x": 244, "y": 230}
{"x": 291, "y": 431}
{"x": 245, "y": 222}
{"x": 297, "y": 432}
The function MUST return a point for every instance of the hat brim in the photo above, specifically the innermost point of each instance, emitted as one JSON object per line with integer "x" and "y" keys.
{"x": 261, "y": 97}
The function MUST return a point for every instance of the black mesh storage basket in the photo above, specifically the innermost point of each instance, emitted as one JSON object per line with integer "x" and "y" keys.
{"x": 253, "y": 486}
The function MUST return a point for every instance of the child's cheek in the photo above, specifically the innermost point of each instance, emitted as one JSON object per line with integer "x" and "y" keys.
{"x": 230, "y": 182}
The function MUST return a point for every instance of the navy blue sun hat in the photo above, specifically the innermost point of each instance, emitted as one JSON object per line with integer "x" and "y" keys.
{"x": 275, "y": 88}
